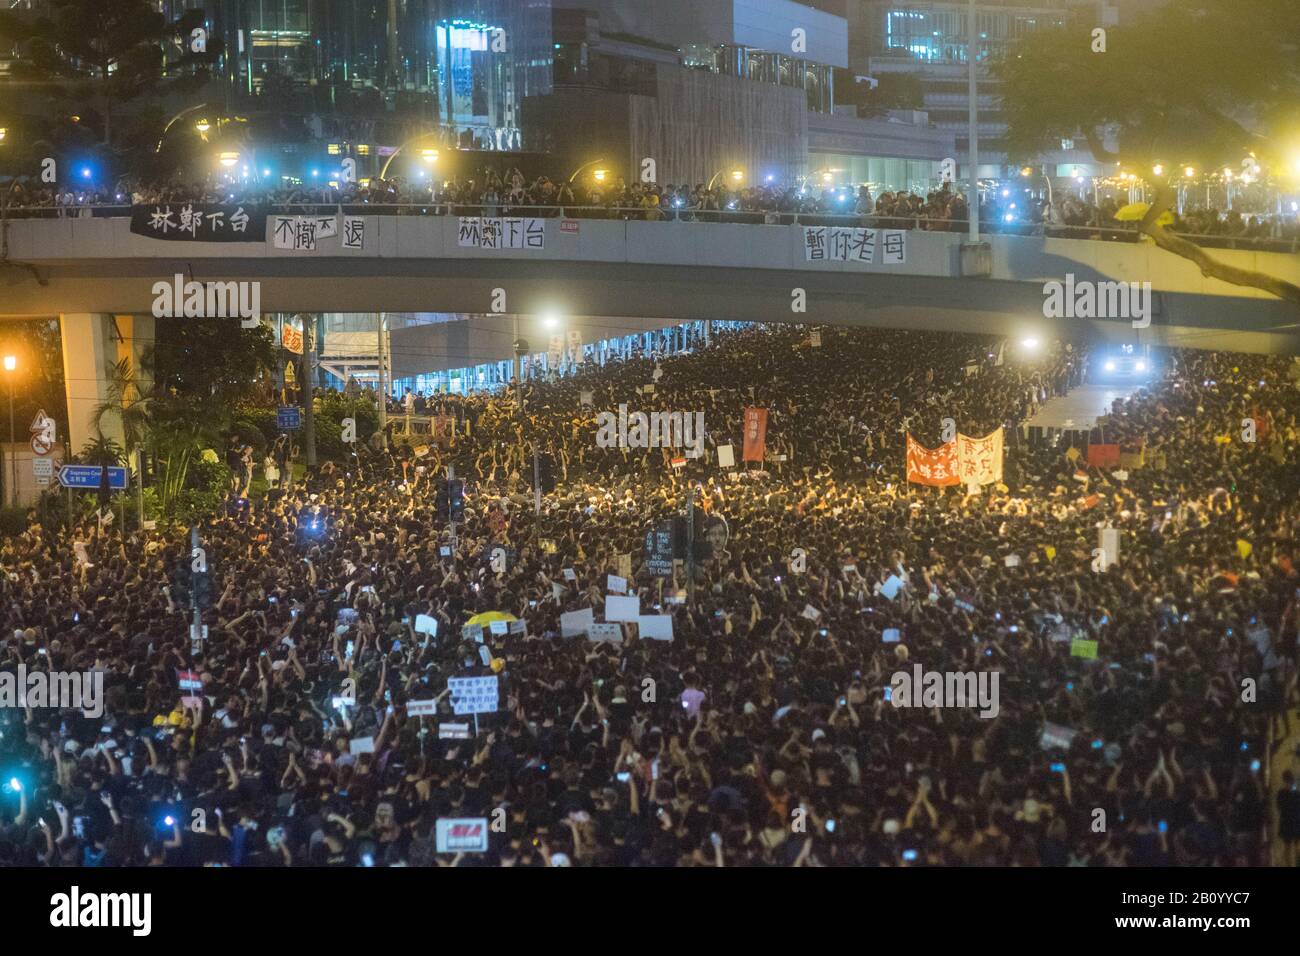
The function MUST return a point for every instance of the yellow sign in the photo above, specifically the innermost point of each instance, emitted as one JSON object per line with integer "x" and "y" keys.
{"x": 1244, "y": 548}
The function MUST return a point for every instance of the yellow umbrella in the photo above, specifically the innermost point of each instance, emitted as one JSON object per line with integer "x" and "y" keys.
{"x": 487, "y": 617}
{"x": 1134, "y": 212}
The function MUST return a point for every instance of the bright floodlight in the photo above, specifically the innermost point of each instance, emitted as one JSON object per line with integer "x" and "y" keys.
{"x": 429, "y": 155}
{"x": 1141, "y": 366}
{"x": 11, "y": 362}
{"x": 1030, "y": 343}
{"x": 1109, "y": 366}
{"x": 551, "y": 320}
{"x": 229, "y": 159}
{"x": 599, "y": 175}
{"x": 203, "y": 126}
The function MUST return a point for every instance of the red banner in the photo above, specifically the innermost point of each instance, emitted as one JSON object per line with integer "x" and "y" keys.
{"x": 1103, "y": 456}
{"x": 937, "y": 467}
{"x": 755, "y": 433}
{"x": 444, "y": 428}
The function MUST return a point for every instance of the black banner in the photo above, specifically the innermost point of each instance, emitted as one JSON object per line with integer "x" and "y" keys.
{"x": 199, "y": 222}
{"x": 659, "y": 550}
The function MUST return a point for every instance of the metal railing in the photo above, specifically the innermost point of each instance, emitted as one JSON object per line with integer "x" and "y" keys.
{"x": 1109, "y": 232}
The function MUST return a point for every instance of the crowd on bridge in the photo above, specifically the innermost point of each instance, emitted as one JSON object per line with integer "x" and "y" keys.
{"x": 760, "y": 734}
{"x": 489, "y": 193}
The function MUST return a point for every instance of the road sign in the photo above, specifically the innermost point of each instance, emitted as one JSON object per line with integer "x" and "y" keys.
{"x": 87, "y": 476}
{"x": 43, "y": 470}
{"x": 43, "y": 432}
{"x": 288, "y": 418}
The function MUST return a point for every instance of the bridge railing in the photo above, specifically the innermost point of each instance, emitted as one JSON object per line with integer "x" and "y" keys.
{"x": 1109, "y": 232}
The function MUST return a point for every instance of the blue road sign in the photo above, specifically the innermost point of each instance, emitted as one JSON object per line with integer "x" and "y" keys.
{"x": 87, "y": 476}
{"x": 288, "y": 417}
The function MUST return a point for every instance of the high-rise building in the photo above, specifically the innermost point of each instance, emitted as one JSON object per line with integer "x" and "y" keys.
{"x": 928, "y": 39}
{"x": 707, "y": 87}
{"x": 464, "y": 65}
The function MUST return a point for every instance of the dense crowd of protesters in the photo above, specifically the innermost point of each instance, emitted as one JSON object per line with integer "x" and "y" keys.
{"x": 490, "y": 194}
{"x": 757, "y": 736}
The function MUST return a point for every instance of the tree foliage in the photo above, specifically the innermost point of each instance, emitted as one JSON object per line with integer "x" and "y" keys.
{"x": 1204, "y": 83}
{"x": 107, "y": 53}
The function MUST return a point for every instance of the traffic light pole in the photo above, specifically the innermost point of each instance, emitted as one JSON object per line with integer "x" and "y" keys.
{"x": 308, "y": 357}
{"x": 537, "y": 485}
{"x": 451, "y": 510}
{"x": 196, "y": 627}
{"x": 690, "y": 546}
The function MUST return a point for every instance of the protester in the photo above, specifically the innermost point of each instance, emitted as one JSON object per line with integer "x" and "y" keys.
{"x": 757, "y": 735}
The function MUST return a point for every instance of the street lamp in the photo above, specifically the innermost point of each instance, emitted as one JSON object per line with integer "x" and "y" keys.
{"x": 3, "y": 133}
{"x": 11, "y": 363}
{"x": 737, "y": 176}
{"x": 229, "y": 158}
{"x": 203, "y": 126}
{"x": 599, "y": 174}
{"x": 430, "y": 156}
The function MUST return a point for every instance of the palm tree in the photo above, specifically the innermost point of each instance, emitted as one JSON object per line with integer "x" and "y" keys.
{"x": 133, "y": 407}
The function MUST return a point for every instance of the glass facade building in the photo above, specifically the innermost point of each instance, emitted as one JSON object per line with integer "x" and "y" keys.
{"x": 463, "y": 65}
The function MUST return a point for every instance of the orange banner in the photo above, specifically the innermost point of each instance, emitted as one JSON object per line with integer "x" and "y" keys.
{"x": 937, "y": 467}
{"x": 755, "y": 433}
{"x": 291, "y": 339}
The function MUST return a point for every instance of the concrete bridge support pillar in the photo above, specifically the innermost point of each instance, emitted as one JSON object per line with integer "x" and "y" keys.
{"x": 92, "y": 342}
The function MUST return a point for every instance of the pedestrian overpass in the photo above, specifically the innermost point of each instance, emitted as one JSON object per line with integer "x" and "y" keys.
{"x": 99, "y": 278}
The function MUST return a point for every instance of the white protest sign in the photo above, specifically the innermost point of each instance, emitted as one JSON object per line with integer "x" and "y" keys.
{"x": 361, "y": 745}
{"x": 473, "y": 695}
{"x": 354, "y": 232}
{"x": 891, "y": 635}
{"x": 726, "y": 456}
{"x": 605, "y": 632}
{"x": 421, "y": 708}
{"x": 893, "y": 584}
{"x": 576, "y": 623}
{"x": 617, "y": 585}
{"x": 570, "y": 575}
{"x": 1056, "y": 735}
{"x": 655, "y": 627}
{"x": 462, "y": 835}
{"x": 619, "y": 608}
{"x": 426, "y": 624}
{"x": 810, "y": 612}
{"x": 448, "y": 731}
